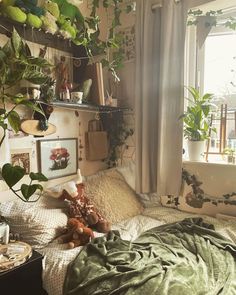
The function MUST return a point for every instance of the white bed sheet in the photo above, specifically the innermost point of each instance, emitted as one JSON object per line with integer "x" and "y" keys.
{"x": 57, "y": 257}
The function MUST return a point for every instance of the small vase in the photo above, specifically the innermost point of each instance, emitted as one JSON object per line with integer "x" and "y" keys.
{"x": 196, "y": 150}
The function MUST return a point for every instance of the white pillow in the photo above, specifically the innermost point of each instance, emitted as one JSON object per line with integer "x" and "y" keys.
{"x": 37, "y": 223}
{"x": 128, "y": 172}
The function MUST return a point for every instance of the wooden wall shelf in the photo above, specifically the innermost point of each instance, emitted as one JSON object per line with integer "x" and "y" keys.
{"x": 88, "y": 107}
{"x": 40, "y": 37}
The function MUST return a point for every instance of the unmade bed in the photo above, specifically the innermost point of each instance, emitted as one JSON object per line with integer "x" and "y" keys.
{"x": 57, "y": 258}
{"x": 135, "y": 231}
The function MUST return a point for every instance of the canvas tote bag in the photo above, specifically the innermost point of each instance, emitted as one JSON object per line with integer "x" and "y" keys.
{"x": 96, "y": 141}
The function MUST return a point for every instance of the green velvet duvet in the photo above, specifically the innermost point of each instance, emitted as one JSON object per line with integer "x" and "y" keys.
{"x": 184, "y": 258}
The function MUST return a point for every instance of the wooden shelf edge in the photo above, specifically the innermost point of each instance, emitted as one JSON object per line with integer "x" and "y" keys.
{"x": 86, "y": 107}
{"x": 40, "y": 37}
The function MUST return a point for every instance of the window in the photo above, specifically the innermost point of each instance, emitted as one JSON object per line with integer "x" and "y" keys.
{"x": 215, "y": 72}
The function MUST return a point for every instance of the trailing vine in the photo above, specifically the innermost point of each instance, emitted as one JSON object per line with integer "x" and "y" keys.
{"x": 199, "y": 195}
{"x": 113, "y": 61}
{"x": 63, "y": 17}
{"x": 229, "y": 22}
{"x": 117, "y": 133}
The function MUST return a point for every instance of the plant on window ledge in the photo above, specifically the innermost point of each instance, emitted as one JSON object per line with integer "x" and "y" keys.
{"x": 17, "y": 63}
{"x": 196, "y": 118}
{"x": 230, "y": 152}
{"x": 197, "y": 123}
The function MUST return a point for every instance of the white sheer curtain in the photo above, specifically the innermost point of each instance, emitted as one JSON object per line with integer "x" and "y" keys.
{"x": 160, "y": 43}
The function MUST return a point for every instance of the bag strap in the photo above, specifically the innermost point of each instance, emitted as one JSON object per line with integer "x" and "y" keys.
{"x": 95, "y": 125}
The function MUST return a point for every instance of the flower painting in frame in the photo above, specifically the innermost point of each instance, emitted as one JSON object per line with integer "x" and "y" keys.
{"x": 58, "y": 157}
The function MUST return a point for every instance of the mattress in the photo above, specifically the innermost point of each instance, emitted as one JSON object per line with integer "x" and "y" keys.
{"x": 57, "y": 257}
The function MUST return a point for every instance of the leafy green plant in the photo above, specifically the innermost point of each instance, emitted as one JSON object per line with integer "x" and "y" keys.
{"x": 118, "y": 132}
{"x": 17, "y": 63}
{"x": 111, "y": 47}
{"x": 13, "y": 174}
{"x": 229, "y": 151}
{"x": 196, "y": 118}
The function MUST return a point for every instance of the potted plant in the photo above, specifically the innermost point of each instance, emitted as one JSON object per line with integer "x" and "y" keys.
{"x": 16, "y": 64}
{"x": 230, "y": 152}
{"x": 197, "y": 123}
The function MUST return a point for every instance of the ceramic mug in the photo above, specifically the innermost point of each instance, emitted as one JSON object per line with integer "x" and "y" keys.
{"x": 77, "y": 96}
{"x": 36, "y": 93}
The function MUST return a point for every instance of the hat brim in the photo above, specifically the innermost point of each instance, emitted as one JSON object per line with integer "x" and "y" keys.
{"x": 31, "y": 127}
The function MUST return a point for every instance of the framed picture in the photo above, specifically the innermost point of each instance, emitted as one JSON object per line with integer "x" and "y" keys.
{"x": 21, "y": 157}
{"x": 58, "y": 157}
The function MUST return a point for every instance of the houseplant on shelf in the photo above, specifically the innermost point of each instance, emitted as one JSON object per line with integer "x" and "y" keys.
{"x": 17, "y": 63}
{"x": 197, "y": 123}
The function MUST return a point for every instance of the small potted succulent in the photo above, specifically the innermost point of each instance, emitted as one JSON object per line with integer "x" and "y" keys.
{"x": 230, "y": 152}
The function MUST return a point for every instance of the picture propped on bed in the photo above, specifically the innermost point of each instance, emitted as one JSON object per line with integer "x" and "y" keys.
{"x": 195, "y": 200}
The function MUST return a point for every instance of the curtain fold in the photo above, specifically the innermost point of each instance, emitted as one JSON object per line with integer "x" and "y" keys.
{"x": 160, "y": 38}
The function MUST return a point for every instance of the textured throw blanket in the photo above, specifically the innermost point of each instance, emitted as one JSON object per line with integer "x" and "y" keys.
{"x": 184, "y": 258}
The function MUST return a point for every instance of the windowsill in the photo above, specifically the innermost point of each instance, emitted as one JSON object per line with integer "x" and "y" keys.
{"x": 222, "y": 164}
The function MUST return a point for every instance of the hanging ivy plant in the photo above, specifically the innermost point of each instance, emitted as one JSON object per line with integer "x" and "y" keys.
{"x": 111, "y": 47}
{"x": 230, "y": 22}
{"x": 16, "y": 64}
{"x": 118, "y": 133}
{"x": 64, "y": 17}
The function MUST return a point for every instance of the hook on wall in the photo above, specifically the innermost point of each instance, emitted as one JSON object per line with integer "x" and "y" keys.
{"x": 97, "y": 116}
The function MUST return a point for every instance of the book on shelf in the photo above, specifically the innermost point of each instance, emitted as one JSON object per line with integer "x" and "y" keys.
{"x": 94, "y": 72}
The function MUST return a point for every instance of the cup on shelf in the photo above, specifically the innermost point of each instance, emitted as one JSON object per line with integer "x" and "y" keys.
{"x": 114, "y": 102}
{"x": 77, "y": 96}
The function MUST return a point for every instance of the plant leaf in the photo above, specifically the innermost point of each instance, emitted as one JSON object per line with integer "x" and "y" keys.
{"x": 14, "y": 120}
{"x": 32, "y": 106}
{"x": 38, "y": 176}
{"x": 35, "y": 77}
{"x": 16, "y": 42}
{"x": 2, "y": 111}
{"x": 12, "y": 174}
{"x": 28, "y": 190}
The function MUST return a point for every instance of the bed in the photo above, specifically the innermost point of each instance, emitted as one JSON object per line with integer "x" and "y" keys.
{"x": 41, "y": 235}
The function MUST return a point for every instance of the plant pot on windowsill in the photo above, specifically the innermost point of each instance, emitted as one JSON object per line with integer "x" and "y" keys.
{"x": 231, "y": 159}
{"x": 196, "y": 150}
{"x": 197, "y": 123}
{"x": 230, "y": 152}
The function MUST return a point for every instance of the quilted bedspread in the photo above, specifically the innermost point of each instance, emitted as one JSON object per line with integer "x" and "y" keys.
{"x": 182, "y": 258}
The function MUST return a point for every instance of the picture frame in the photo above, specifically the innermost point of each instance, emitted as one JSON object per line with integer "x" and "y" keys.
{"x": 22, "y": 158}
{"x": 58, "y": 157}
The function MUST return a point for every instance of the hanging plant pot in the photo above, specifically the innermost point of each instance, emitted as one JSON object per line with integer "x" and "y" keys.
{"x": 196, "y": 150}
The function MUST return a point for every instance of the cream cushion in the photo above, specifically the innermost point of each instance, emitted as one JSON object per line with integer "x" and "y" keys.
{"x": 112, "y": 196}
{"x": 37, "y": 223}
